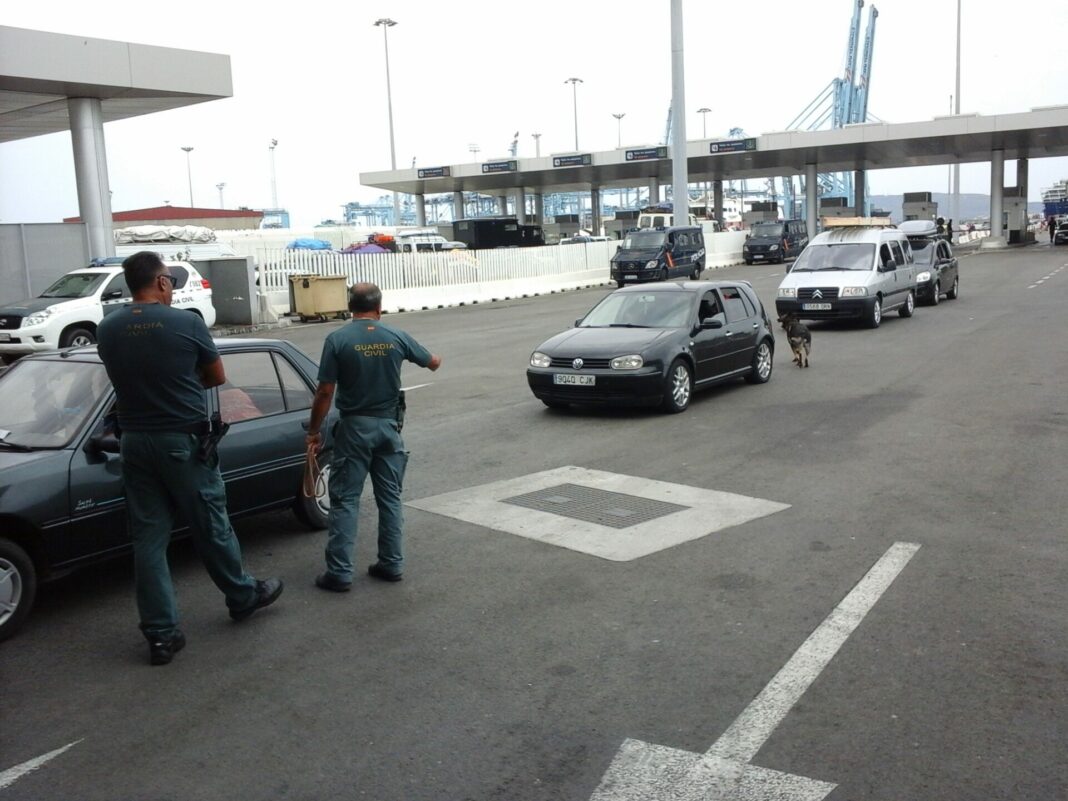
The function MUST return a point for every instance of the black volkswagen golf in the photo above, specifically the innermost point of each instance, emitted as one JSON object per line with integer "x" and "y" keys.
{"x": 654, "y": 345}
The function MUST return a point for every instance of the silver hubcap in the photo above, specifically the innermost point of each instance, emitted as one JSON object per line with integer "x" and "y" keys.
{"x": 910, "y": 302}
{"x": 763, "y": 361}
{"x": 877, "y": 311}
{"x": 680, "y": 386}
{"x": 81, "y": 341}
{"x": 10, "y": 590}
{"x": 322, "y": 497}
{"x": 956, "y": 287}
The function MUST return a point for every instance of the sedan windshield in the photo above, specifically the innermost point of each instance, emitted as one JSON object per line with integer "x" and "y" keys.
{"x": 75, "y": 285}
{"x": 772, "y": 230}
{"x": 848, "y": 256}
{"x": 45, "y": 403}
{"x": 641, "y": 310}
{"x": 644, "y": 240}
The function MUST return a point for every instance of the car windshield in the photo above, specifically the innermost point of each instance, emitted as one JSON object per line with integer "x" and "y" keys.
{"x": 644, "y": 240}
{"x": 46, "y": 402}
{"x": 847, "y": 256}
{"x": 75, "y": 285}
{"x": 641, "y": 310}
{"x": 772, "y": 230}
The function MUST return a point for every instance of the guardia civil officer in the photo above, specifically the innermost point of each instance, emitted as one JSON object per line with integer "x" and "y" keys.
{"x": 160, "y": 361}
{"x": 363, "y": 361}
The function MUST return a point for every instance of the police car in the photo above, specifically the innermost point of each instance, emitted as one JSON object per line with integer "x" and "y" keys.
{"x": 68, "y": 312}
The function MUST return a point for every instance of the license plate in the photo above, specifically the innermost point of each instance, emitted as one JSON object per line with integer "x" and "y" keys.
{"x": 630, "y": 278}
{"x": 578, "y": 380}
{"x": 5, "y": 337}
{"x": 757, "y": 257}
{"x": 816, "y": 306}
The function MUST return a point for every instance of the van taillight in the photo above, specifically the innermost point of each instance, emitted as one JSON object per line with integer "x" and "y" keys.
{"x": 205, "y": 283}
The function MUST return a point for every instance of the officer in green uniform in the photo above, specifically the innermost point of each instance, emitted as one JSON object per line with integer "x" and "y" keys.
{"x": 160, "y": 360}
{"x": 363, "y": 361}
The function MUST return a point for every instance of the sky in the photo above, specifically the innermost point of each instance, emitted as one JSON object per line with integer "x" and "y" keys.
{"x": 474, "y": 72}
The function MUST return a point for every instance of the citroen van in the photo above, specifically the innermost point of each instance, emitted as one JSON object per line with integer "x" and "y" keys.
{"x": 851, "y": 273}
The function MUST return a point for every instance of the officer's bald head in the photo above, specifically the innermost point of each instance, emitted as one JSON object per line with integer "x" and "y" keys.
{"x": 365, "y": 298}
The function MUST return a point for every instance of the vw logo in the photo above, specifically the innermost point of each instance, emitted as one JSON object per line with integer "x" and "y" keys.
{"x": 577, "y": 364}
{"x": 818, "y": 293}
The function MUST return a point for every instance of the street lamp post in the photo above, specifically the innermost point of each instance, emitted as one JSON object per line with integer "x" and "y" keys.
{"x": 537, "y": 145}
{"x": 619, "y": 129}
{"x": 704, "y": 135}
{"x": 189, "y": 174}
{"x": 574, "y": 99}
{"x": 274, "y": 183}
{"x": 220, "y": 187}
{"x": 679, "y": 178}
{"x": 385, "y": 23}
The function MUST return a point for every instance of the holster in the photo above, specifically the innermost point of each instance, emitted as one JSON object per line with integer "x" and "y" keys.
{"x": 209, "y": 442}
{"x": 402, "y": 408}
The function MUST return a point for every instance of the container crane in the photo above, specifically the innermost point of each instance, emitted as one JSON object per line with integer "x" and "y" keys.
{"x": 860, "y": 91}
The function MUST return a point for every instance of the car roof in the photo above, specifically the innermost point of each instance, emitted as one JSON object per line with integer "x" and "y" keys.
{"x": 681, "y": 286}
{"x": 89, "y": 353}
{"x": 858, "y": 234}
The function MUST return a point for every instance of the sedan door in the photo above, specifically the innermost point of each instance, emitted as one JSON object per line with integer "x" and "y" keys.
{"x": 742, "y": 327}
{"x": 711, "y": 346}
{"x": 948, "y": 266}
{"x": 266, "y": 400}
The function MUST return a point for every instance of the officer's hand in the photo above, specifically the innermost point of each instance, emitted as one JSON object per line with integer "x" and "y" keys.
{"x": 314, "y": 440}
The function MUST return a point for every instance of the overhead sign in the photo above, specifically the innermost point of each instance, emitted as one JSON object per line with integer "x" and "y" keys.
{"x": 581, "y": 160}
{"x": 435, "y": 172}
{"x": 732, "y": 146}
{"x": 500, "y": 166}
{"x": 647, "y": 153}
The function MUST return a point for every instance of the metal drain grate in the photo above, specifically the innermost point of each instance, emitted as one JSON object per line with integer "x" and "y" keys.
{"x": 613, "y": 509}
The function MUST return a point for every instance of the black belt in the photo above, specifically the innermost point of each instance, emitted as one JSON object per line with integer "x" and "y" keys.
{"x": 382, "y": 415}
{"x": 199, "y": 429}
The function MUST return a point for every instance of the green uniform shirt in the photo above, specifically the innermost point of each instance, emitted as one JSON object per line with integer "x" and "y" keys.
{"x": 364, "y": 360}
{"x": 151, "y": 353}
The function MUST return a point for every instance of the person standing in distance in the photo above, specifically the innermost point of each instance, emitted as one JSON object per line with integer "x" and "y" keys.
{"x": 160, "y": 360}
{"x": 362, "y": 360}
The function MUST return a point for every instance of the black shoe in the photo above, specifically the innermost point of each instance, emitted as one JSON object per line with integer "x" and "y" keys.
{"x": 328, "y": 581}
{"x": 379, "y": 571}
{"x": 267, "y": 592}
{"x": 161, "y": 652}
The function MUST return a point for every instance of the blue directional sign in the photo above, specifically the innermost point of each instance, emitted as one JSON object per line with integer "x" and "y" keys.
{"x": 732, "y": 146}
{"x": 435, "y": 172}
{"x": 500, "y": 166}
{"x": 647, "y": 153}
{"x": 581, "y": 160}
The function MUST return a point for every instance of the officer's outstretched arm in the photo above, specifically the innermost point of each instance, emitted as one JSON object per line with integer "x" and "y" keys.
{"x": 212, "y": 375}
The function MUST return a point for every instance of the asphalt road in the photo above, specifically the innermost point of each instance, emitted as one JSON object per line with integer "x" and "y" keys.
{"x": 504, "y": 668}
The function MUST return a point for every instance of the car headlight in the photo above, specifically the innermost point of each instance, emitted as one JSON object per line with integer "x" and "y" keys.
{"x": 854, "y": 291}
{"x": 38, "y": 317}
{"x": 540, "y": 360}
{"x": 773, "y": 248}
{"x": 924, "y": 276}
{"x": 745, "y": 246}
{"x": 632, "y": 362}
{"x": 787, "y": 292}
{"x": 651, "y": 264}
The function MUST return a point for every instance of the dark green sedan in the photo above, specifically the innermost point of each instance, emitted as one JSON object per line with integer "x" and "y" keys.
{"x": 61, "y": 493}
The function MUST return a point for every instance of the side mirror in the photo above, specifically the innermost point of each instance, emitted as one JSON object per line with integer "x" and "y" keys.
{"x": 103, "y": 444}
{"x": 114, "y": 294}
{"x": 578, "y": 322}
{"x": 747, "y": 236}
{"x": 619, "y": 248}
{"x": 715, "y": 321}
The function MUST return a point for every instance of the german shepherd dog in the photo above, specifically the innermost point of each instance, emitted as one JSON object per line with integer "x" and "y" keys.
{"x": 799, "y": 337}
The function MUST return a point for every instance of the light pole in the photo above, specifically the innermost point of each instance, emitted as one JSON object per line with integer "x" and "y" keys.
{"x": 274, "y": 183}
{"x": 704, "y": 135}
{"x": 954, "y": 207}
{"x": 574, "y": 99}
{"x": 679, "y": 177}
{"x": 220, "y": 187}
{"x": 386, "y": 23}
{"x": 537, "y": 145}
{"x": 189, "y": 174}
{"x": 619, "y": 129}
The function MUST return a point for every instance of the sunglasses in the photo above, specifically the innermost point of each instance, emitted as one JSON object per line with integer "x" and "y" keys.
{"x": 172, "y": 278}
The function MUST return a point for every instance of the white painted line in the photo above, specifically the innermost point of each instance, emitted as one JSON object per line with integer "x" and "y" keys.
{"x": 646, "y": 772}
{"x": 417, "y": 386}
{"x": 12, "y": 775}
{"x": 1032, "y": 286}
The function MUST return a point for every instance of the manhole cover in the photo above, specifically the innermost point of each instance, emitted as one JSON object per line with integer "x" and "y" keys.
{"x": 613, "y": 509}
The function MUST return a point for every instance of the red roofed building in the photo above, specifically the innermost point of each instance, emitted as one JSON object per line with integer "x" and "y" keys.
{"x": 217, "y": 219}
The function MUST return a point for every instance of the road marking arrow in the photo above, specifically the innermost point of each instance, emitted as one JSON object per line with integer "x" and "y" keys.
{"x": 647, "y": 772}
{"x": 12, "y": 775}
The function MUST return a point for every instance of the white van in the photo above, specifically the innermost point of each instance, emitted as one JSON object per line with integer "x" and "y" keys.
{"x": 420, "y": 242}
{"x": 660, "y": 219}
{"x": 68, "y": 312}
{"x": 851, "y": 272}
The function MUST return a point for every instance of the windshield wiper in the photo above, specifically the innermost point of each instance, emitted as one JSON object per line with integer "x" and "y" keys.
{"x": 626, "y": 325}
{"x": 14, "y": 446}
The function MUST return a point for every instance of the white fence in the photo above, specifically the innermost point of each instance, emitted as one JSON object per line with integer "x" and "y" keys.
{"x": 431, "y": 280}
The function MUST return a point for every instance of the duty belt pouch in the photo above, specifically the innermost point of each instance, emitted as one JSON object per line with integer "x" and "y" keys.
{"x": 402, "y": 407}
{"x": 209, "y": 443}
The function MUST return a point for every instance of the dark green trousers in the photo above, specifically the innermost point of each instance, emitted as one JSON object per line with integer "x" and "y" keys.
{"x": 163, "y": 474}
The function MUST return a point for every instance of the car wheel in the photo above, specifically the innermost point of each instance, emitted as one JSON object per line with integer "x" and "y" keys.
{"x": 664, "y": 274}
{"x": 678, "y": 388}
{"x": 315, "y": 512}
{"x": 18, "y": 587}
{"x": 909, "y": 307}
{"x": 619, "y": 284}
{"x": 954, "y": 291}
{"x": 76, "y": 338}
{"x": 555, "y": 404}
{"x": 761, "y": 371}
{"x": 749, "y": 262}
{"x": 875, "y": 314}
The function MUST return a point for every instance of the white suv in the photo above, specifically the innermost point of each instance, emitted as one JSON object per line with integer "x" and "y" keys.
{"x": 67, "y": 313}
